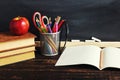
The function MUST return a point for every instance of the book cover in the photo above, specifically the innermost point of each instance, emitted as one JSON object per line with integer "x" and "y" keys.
{"x": 7, "y": 36}
{"x": 9, "y": 41}
{"x": 17, "y": 58}
{"x": 16, "y": 51}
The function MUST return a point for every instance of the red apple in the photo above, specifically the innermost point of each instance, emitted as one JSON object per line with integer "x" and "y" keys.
{"x": 19, "y": 25}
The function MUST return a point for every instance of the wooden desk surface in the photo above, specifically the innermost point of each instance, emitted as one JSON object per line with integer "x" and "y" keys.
{"x": 42, "y": 68}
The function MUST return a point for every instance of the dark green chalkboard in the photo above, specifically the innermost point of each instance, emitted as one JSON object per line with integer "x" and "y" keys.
{"x": 86, "y": 18}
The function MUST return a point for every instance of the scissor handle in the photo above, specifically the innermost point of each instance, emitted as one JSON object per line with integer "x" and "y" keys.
{"x": 38, "y": 21}
{"x": 43, "y": 19}
{"x": 34, "y": 20}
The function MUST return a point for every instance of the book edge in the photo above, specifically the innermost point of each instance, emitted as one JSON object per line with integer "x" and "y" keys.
{"x": 26, "y": 56}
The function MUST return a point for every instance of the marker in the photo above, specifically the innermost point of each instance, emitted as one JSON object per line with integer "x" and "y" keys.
{"x": 50, "y": 21}
{"x": 60, "y": 24}
{"x": 49, "y": 25}
{"x": 49, "y": 28}
{"x": 55, "y": 27}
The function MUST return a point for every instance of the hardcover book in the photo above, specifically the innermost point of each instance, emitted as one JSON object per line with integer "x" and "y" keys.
{"x": 16, "y": 51}
{"x": 9, "y": 41}
{"x": 17, "y": 58}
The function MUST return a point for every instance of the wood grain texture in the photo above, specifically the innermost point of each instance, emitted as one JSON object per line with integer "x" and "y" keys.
{"x": 42, "y": 68}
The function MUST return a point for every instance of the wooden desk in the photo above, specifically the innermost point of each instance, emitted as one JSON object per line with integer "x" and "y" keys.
{"x": 42, "y": 68}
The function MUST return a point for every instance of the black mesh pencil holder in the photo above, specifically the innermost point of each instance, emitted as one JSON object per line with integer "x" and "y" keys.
{"x": 64, "y": 33}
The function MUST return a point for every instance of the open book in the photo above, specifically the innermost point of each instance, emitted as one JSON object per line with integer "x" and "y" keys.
{"x": 91, "y": 55}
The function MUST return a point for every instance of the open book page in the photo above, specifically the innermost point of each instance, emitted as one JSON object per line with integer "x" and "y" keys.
{"x": 80, "y": 55}
{"x": 111, "y": 57}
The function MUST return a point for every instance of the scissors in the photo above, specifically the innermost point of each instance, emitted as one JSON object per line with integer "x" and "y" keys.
{"x": 40, "y": 22}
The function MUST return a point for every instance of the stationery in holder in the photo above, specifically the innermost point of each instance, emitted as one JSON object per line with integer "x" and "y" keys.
{"x": 90, "y": 55}
{"x": 50, "y": 36}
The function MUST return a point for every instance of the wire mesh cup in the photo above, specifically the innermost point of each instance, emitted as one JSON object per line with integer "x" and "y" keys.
{"x": 49, "y": 43}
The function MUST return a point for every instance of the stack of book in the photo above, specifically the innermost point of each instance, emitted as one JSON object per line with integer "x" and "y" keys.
{"x": 16, "y": 48}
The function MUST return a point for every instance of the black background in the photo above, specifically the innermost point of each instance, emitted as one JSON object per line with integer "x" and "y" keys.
{"x": 86, "y": 18}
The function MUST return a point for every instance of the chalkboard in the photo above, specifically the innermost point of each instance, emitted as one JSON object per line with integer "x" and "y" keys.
{"x": 86, "y": 18}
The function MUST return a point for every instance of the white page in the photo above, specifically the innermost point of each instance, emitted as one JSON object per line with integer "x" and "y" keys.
{"x": 111, "y": 57}
{"x": 80, "y": 55}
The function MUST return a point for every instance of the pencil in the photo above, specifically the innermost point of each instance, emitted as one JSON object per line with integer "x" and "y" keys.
{"x": 50, "y": 41}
